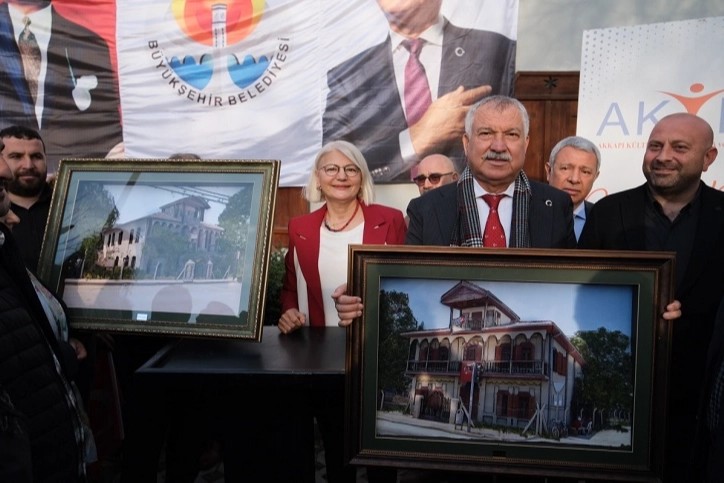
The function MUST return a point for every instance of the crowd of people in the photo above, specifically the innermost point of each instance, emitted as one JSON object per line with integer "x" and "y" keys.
{"x": 673, "y": 211}
{"x": 464, "y": 147}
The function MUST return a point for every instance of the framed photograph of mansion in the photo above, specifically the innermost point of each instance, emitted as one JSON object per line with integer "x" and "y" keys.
{"x": 175, "y": 247}
{"x": 515, "y": 361}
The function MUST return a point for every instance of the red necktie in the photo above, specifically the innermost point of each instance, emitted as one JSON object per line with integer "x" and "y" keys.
{"x": 417, "y": 90}
{"x": 494, "y": 234}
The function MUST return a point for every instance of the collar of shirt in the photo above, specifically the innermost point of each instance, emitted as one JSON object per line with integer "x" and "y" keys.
{"x": 505, "y": 208}
{"x": 430, "y": 57}
{"x": 40, "y": 24}
{"x": 658, "y": 210}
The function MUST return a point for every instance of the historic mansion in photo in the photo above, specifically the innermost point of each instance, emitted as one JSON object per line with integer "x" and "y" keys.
{"x": 513, "y": 367}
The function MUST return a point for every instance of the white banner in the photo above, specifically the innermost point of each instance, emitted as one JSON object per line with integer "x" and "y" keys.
{"x": 248, "y": 78}
{"x": 633, "y": 76}
{"x": 221, "y": 88}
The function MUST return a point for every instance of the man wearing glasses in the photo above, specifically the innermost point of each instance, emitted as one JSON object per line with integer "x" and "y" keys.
{"x": 434, "y": 171}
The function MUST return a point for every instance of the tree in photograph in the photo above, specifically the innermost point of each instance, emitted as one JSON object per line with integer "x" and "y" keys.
{"x": 232, "y": 244}
{"x": 166, "y": 252}
{"x": 395, "y": 317}
{"x": 607, "y": 382}
{"x": 94, "y": 207}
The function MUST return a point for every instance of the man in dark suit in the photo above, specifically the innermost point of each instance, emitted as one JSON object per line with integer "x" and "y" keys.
{"x": 573, "y": 166}
{"x": 536, "y": 215}
{"x": 674, "y": 211}
{"x": 532, "y": 214}
{"x": 366, "y": 104}
{"x": 71, "y": 96}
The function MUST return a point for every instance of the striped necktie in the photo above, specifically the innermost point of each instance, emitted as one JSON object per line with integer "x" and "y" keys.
{"x": 30, "y": 54}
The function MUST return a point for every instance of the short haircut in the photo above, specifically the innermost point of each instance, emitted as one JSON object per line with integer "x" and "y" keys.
{"x": 311, "y": 191}
{"x": 21, "y": 132}
{"x": 576, "y": 142}
{"x": 500, "y": 103}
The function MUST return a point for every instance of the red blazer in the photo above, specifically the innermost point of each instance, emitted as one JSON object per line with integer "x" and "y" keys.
{"x": 382, "y": 225}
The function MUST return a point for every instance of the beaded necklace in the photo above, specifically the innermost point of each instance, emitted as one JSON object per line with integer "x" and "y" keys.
{"x": 333, "y": 230}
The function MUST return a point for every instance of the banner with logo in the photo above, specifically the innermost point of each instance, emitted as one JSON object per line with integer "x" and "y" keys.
{"x": 633, "y": 76}
{"x": 248, "y": 78}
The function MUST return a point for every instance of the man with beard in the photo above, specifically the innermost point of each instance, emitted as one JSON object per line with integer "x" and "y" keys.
{"x": 675, "y": 211}
{"x": 30, "y": 194}
{"x": 40, "y": 422}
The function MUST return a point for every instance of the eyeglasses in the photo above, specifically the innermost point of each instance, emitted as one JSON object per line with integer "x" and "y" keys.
{"x": 332, "y": 169}
{"x": 433, "y": 177}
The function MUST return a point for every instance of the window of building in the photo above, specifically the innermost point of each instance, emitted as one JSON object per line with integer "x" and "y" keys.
{"x": 502, "y": 352}
{"x": 492, "y": 317}
{"x": 501, "y": 406}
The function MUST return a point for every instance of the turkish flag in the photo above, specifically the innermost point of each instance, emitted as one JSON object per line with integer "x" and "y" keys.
{"x": 466, "y": 372}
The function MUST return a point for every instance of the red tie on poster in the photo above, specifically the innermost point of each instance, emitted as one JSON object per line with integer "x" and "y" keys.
{"x": 417, "y": 89}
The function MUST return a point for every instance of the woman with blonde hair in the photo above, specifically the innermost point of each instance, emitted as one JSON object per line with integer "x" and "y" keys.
{"x": 316, "y": 264}
{"x": 317, "y": 258}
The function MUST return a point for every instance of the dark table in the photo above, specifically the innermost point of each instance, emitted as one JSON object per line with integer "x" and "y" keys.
{"x": 259, "y": 398}
{"x": 304, "y": 356}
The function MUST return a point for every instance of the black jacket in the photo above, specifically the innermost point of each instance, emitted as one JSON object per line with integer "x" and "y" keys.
{"x": 616, "y": 222}
{"x": 29, "y": 375}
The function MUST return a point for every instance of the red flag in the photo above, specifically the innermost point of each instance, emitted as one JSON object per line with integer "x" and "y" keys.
{"x": 466, "y": 372}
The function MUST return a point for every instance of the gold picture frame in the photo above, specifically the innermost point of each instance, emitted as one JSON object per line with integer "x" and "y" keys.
{"x": 174, "y": 247}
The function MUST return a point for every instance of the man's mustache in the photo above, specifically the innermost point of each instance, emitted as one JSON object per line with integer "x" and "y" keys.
{"x": 497, "y": 156}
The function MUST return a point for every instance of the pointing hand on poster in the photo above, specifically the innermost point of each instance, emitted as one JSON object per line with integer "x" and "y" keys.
{"x": 444, "y": 121}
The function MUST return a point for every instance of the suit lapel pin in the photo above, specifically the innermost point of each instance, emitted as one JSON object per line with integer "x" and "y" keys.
{"x": 459, "y": 51}
{"x": 549, "y": 203}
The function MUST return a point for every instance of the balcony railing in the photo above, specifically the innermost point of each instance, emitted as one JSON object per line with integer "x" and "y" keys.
{"x": 513, "y": 367}
{"x": 434, "y": 366}
{"x": 488, "y": 367}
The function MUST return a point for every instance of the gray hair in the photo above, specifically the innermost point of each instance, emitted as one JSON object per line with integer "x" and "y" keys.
{"x": 576, "y": 142}
{"x": 311, "y": 191}
{"x": 500, "y": 103}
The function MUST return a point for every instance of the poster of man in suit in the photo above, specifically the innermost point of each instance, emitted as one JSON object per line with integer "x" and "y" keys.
{"x": 368, "y": 102}
{"x": 58, "y": 79}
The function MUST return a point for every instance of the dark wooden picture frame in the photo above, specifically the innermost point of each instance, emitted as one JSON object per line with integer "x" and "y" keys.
{"x": 543, "y": 362}
{"x": 174, "y": 247}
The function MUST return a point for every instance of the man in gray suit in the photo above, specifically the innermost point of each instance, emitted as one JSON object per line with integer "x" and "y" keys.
{"x": 573, "y": 166}
{"x": 367, "y": 102}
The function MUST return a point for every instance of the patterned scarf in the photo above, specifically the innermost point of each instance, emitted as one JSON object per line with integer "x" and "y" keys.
{"x": 467, "y": 231}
